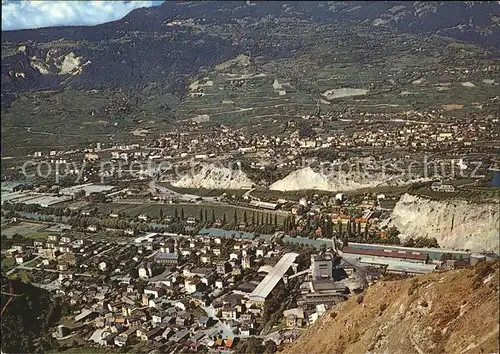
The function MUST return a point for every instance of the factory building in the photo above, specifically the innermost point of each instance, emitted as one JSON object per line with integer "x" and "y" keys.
{"x": 322, "y": 266}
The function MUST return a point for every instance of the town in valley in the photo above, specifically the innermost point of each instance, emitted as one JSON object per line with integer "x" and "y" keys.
{"x": 231, "y": 203}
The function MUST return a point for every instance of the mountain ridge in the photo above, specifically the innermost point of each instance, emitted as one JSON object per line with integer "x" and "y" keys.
{"x": 140, "y": 67}
{"x": 477, "y": 22}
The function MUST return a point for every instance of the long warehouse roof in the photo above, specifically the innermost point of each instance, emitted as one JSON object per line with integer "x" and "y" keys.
{"x": 272, "y": 278}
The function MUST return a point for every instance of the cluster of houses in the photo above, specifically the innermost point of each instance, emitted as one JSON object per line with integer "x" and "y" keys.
{"x": 187, "y": 292}
{"x": 170, "y": 291}
{"x": 195, "y": 141}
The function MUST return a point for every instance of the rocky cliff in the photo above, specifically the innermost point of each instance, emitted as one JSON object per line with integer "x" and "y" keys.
{"x": 213, "y": 177}
{"x": 454, "y": 223}
{"x": 307, "y": 178}
{"x": 446, "y": 312}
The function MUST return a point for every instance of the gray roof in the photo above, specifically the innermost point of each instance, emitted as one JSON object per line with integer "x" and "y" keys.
{"x": 165, "y": 255}
{"x": 180, "y": 335}
{"x": 199, "y": 335}
{"x": 83, "y": 314}
{"x": 327, "y": 285}
{"x": 203, "y": 319}
{"x": 272, "y": 278}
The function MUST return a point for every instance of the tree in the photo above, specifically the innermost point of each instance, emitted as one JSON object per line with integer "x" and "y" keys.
{"x": 79, "y": 195}
{"x": 176, "y": 214}
{"x": 252, "y": 346}
{"x": 201, "y": 215}
{"x": 275, "y": 220}
{"x": 410, "y": 242}
{"x": 17, "y": 238}
{"x": 245, "y": 216}
{"x": 161, "y": 213}
{"x": 213, "y": 215}
{"x": 49, "y": 343}
{"x": 426, "y": 242}
{"x": 345, "y": 242}
{"x": 446, "y": 256}
{"x": 270, "y": 347}
{"x": 253, "y": 218}
{"x": 182, "y": 213}
{"x": 262, "y": 219}
{"x": 224, "y": 219}
{"x": 96, "y": 197}
{"x": 393, "y": 231}
{"x": 235, "y": 218}
{"x": 329, "y": 227}
{"x": 206, "y": 215}
{"x": 24, "y": 276}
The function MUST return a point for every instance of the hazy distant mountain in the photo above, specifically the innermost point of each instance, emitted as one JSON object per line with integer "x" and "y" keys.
{"x": 148, "y": 43}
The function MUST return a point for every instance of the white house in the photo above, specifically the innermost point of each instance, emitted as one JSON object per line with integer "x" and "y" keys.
{"x": 102, "y": 266}
{"x": 192, "y": 285}
{"x": 233, "y": 256}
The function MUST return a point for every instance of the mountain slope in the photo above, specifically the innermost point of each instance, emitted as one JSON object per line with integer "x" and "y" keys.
{"x": 71, "y": 86}
{"x": 121, "y": 52}
{"x": 25, "y": 316}
{"x": 453, "y": 312}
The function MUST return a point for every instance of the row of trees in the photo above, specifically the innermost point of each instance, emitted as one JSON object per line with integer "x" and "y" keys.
{"x": 421, "y": 242}
{"x": 256, "y": 219}
{"x": 257, "y": 222}
{"x": 36, "y": 208}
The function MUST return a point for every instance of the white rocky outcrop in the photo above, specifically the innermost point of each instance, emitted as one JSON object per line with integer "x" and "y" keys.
{"x": 39, "y": 65}
{"x": 307, "y": 178}
{"x": 54, "y": 63}
{"x": 215, "y": 177}
{"x": 455, "y": 224}
{"x": 70, "y": 63}
{"x": 304, "y": 178}
{"x": 242, "y": 61}
{"x": 343, "y": 92}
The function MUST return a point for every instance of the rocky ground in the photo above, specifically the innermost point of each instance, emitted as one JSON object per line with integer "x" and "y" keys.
{"x": 454, "y": 223}
{"x": 337, "y": 181}
{"x": 449, "y": 311}
{"x": 213, "y": 177}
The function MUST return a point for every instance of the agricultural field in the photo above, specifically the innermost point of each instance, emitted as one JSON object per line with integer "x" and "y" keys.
{"x": 26, "y": 229}
{"x": 468, "y": 193}
{"x": 243, "y": 97}
{"x": 8, "y": 263}
{"x": 67, "y": 118}
{"x": 202, "y": 192}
